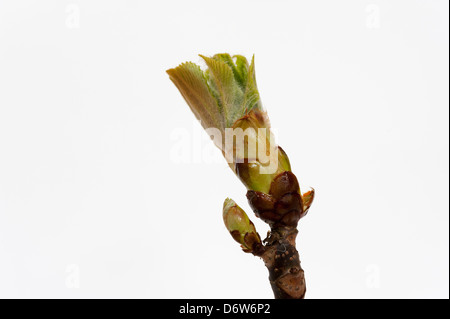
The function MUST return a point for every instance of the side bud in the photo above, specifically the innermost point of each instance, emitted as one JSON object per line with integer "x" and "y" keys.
{"x": 241, "y": 227}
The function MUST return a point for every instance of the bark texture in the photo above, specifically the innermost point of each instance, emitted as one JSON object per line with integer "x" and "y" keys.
{"x": 281, "y": 258}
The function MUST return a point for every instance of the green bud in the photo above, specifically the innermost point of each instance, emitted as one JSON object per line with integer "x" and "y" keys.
{"x": 250, "y": 175}
{"x": 257, "y": 177}
{"x": 240, "y": 226}
{"x": 257, "y": 159}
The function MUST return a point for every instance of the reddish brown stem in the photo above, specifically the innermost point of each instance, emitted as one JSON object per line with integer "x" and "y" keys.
{"x": 281, "y": 258}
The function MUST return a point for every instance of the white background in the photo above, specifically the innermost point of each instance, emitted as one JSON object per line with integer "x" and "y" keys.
{"x": 109, "y": 188}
